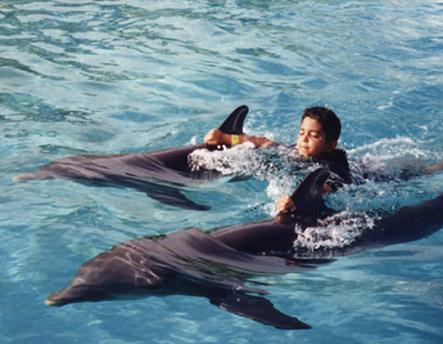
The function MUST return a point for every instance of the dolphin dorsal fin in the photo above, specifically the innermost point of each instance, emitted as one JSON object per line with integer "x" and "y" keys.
{"x": 234, "y": 123}
{"x": 308, "y": 198}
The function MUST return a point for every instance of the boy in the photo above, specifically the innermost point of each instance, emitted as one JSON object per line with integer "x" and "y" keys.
{"x": 317, "y": 140}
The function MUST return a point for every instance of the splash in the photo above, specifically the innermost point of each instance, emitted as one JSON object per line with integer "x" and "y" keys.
{"x": 334, "y": 232}
{"x": 395, "y": 158}
{"x": 385, "y": 149}
{"x": 246, "y": 160}
{"x": 280, "y": 166}
{"x": 239, "y": 160}
{"x": 388, "y": 174}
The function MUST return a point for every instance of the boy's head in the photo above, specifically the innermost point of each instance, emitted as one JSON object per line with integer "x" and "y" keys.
{"x": 319, "y": 132}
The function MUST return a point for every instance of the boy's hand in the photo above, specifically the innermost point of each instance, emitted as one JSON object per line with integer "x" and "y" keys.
{"x": 215, "y": 137}
{"x": 327, "y": 188}
{"x": 285, "y": 204}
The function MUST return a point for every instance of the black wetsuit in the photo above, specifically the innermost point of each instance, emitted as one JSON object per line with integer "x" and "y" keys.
{"x": 337, "y": 162}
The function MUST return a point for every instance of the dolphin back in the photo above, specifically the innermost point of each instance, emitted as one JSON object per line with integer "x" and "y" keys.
{"x": 409, "y": 223}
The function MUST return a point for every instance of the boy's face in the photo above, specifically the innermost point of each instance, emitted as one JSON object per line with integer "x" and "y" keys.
{"x": 311, "y": 140}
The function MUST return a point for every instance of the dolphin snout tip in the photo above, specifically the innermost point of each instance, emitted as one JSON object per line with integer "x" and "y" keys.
{"x": 22, "y": 177}
{"x": 50, "y": 302}
{"x": 16, "y": 178}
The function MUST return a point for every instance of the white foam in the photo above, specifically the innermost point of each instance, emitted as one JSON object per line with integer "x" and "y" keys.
{"x": 393, "y": 158}
{"x": 279, "y": 166}
{"x": 237, "y": 160}
{"x": 337, "y": 231}
{"x": 388, "y": 149}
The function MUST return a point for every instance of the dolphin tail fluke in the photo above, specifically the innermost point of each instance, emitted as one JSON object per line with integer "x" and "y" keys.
{"x": 259, "y": 309}
{"x": 174, "y": 197}
{"x": 234, "y": 123}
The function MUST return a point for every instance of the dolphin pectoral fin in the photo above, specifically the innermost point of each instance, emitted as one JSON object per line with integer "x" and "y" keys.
{"x": 234, "y": 123}
{"x": 259, "y": 309}
{"x": 174, "y": 197}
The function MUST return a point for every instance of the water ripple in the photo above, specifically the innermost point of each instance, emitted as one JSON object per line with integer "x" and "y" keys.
{"x": 85, "y": 77}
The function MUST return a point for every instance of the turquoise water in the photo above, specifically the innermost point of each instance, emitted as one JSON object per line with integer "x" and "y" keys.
{"x": 103, "y": 77}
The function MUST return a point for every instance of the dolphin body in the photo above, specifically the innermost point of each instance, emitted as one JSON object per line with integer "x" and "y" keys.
{"x": 158, "y": 174}
{"x": 217, "y": 264}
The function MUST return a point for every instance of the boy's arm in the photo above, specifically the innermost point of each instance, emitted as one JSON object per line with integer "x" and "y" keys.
{"x": 216, "y": 137}
{"x": 434, "y": 168}
{"x": 285, "y": 203}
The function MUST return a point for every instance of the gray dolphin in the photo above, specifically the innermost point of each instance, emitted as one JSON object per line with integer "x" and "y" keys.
{"x": 159, "y": 174}
{"x": 216, "y": 265}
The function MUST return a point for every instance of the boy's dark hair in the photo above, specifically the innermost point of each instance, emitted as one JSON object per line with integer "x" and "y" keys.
{"x": 327, "y": 118}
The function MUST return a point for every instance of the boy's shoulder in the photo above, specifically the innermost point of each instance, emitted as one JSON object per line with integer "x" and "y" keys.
{"x": 336, "y": 155}
{"x": 337, "y": 162}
